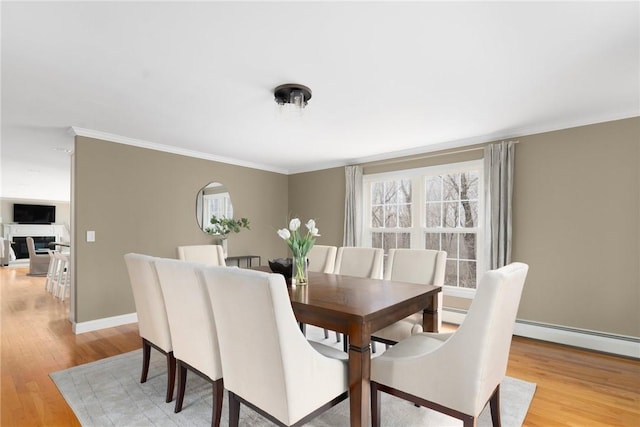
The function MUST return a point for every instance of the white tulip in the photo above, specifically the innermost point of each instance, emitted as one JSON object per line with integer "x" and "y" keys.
{"x": 294, "y": 224}
{"x": 314, "y": 232}
{"x": 284, "y": 234}
{"x": 311, "y": 224}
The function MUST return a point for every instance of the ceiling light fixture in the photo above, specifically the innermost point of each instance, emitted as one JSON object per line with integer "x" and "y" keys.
{"x": 294, "y": 94}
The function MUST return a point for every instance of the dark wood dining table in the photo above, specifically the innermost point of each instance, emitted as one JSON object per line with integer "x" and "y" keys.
{"x": 357, "y": 307}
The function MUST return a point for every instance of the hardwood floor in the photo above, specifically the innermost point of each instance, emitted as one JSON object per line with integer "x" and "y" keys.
{"x": 574, "y": 387}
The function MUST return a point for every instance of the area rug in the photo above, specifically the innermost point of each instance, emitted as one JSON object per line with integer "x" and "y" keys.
{"x": 108, "y": 393}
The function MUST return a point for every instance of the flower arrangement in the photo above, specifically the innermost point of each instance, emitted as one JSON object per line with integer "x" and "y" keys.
{"x": 223, "y": 226}
{"x": 300, "y": 246}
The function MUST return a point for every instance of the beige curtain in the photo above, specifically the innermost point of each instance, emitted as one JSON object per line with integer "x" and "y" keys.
{"x": 498, "y": 173}
{"x": 353, "y": 206}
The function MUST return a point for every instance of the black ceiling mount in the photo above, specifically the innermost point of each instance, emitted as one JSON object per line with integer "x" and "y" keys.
{"x": 283, "y": 93}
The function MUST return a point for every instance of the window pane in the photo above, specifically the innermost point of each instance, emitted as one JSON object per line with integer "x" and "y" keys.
{"x": 404, "y": 216}
{"x": 468, "y": 246}
{"x": 469, "y": 185}
{"x": 376, "y": 240}
{"x": 390, "y": 192}
{"x": 450, "y": 214}
{"x": 434, "y": 188}
{"x": 391, "y": 216}
{"x": 434, "y": 214}
{"x": 404, "y": 191}
{"x": 376, "y": 217}
{"x": 404, "y": 240}
{"x": 467, "y": 274}
{"x": 377, "y": 193}
{"x": 451, "y": 273}
{"x": 432, "y": 241}
{"x": 469, "y": 214}
{"x": 451, "y": 188}
{"x": 450, "y": 244}
{"x": 389, "y": 241}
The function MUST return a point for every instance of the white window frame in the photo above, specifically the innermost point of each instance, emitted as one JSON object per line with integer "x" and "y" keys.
{"x": 418, "y": 212}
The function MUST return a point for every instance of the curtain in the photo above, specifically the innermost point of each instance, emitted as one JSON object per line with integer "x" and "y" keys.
{"x": 353, "y": 206}
{"x": 498, "y": 174}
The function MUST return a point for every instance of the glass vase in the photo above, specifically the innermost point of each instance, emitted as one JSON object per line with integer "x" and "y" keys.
{"x": 299, "y": 273}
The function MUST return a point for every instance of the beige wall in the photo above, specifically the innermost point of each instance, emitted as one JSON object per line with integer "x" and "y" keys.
{"x": 139, "y": 200}
{"x": 576, "y": 218}
{"x": 320, "y": 195}
{"x": 576, "y": 222}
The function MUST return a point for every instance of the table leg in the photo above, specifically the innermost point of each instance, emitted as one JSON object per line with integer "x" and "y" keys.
{"x": 430, "y": 315}
{"x": 359, "y": 376}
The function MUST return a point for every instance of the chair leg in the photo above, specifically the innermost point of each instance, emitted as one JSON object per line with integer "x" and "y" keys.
{"x": 218, "y": 395}
{"x": 182, "y": 382}
{"x": 494, "y": 404}
{"x": 326, "y": 334}
{"x": 171, "y": 376}
{"x": 375, "y": 405}
{"x": 146, "y": 356}
{"x": 338, "y": 337}
{"x": 234, "y": 410}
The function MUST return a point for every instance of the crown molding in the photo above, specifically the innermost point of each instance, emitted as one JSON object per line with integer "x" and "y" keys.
{"x": 105, "y": 136}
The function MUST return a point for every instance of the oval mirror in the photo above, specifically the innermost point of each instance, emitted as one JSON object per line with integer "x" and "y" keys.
{"x": 212, "y": 199}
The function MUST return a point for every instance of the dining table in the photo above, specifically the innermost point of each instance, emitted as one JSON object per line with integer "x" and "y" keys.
{"x": 358, "y": 307}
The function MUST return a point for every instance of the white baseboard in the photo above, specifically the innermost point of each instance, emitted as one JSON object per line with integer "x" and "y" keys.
{"x": 608, "y": 343}
{"x": 109, "y": 322}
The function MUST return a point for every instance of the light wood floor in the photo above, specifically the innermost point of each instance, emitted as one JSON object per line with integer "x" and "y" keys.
{"x": 574, "y": 387}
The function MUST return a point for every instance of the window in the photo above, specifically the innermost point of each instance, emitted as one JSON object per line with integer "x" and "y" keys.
{"x": 432, "y": 208}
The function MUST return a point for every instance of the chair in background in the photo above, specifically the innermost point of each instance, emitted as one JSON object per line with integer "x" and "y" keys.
{"x": 423, "y": 266}
{"x": 192, "y": 327}
{"x": 207, "y": 254}
{"x": 61, "y": 275}
{"x": 272, "y": 368}
{"x": 51, "y": 272}
{"x": 38, "y": 263}
{"x": 322, "y": 259}
{"x": 152, "y": 315}
{"x": 359, "y": 262}
{"x": 456, "y": 373}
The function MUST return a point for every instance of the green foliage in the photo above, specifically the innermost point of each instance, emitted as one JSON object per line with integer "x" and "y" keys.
{"x": 223, "y": 226}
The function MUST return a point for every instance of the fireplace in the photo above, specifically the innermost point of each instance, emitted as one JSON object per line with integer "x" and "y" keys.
{"x": 41, "y": 243}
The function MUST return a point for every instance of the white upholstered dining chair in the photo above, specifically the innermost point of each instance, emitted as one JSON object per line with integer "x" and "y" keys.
{"x": 323, "y": 260}
{"x": 422, "y": 266}
{"x": 359, "y": 262}
{"x": 152, "y": 315}
{"x": 192, "y": 327}
{"x": 456, "y": 373}
{"x": 271, "y": 368}
{"x": 38, "y": 263}
{"x": 207, "y": 254}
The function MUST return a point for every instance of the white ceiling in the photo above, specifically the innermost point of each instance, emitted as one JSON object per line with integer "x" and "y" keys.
{"x": 388, "y": 78}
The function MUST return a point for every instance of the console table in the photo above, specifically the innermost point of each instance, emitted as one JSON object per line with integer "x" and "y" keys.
{"x": 248, "y": 260}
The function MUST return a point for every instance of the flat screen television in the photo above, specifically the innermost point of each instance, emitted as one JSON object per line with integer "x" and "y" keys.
{"x": 34, "y": 214}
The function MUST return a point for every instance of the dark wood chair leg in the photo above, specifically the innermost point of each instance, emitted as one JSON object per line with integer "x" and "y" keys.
{"x": 326, "y": 334}
{"x": 146, "y": 357}
{"x": 375, "y": 405}
{"x": 494, "y": 404}
{"x": 218, "y": 395}
{"x": 182, "y": 382}
{"x": 234, "y": 410}
{"x": 338, "y": 337}
{"x": 171, "y": 376}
